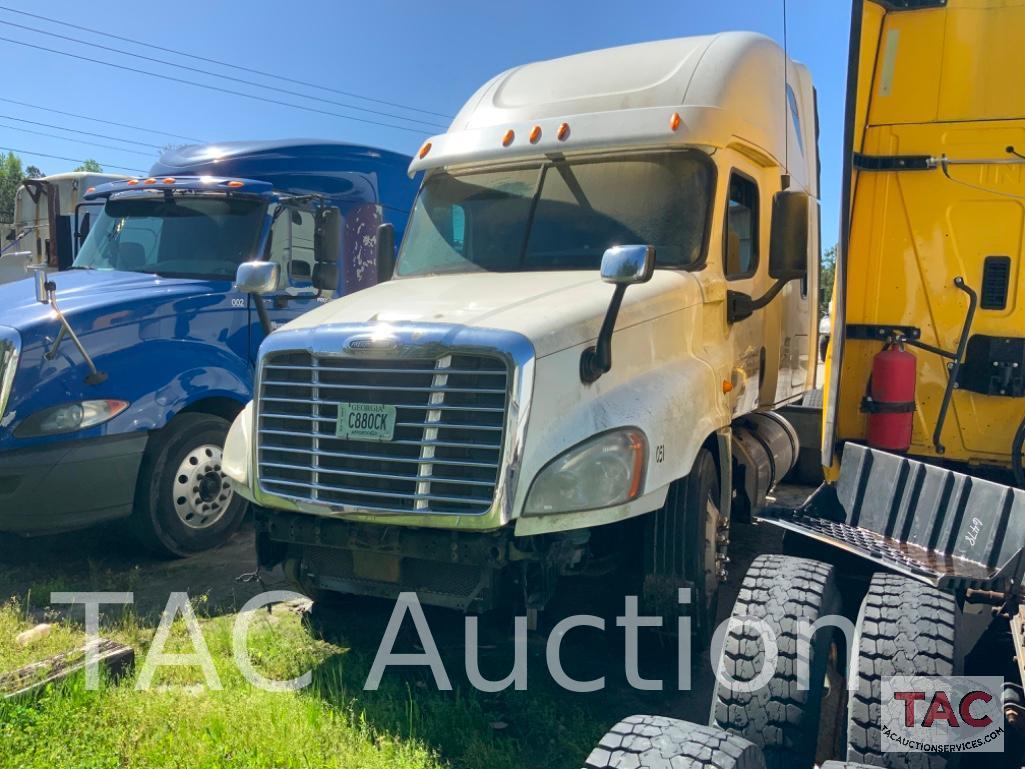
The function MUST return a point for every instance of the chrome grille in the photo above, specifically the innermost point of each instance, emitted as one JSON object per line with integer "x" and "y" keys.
{"x": 447, "y": 446}
{"x": 10, "y": 347}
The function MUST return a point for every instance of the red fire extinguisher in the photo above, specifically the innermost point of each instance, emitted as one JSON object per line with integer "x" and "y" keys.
{"x": 890, "y": 398}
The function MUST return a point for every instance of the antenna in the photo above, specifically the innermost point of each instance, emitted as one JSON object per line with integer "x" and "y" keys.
{"x": 786, "y": 103}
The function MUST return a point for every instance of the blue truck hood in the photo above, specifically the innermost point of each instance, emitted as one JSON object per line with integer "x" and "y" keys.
{"x": 89, "y": 292}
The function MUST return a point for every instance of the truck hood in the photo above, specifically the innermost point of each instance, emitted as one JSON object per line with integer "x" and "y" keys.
{"x": 554, "y": 310}
{"x": 89, "y": 291}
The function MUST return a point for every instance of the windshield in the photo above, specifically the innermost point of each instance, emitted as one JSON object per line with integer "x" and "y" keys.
{"x": 182, "y": 236}
{"x": 560, "y": 215}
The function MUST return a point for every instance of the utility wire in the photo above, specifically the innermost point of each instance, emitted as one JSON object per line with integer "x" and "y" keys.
{"x": 210, "y": 87}
{"x": 76, "y": 141}
{"x": 253, "y": 83}
{"x": 220, "y": 63}
{"x": 70, "y": 160}
{"x": 84, "y": 133}
{"x": 101, "y": 120}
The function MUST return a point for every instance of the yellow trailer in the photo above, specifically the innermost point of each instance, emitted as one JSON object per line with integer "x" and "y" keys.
{"x": 918, "y": 539}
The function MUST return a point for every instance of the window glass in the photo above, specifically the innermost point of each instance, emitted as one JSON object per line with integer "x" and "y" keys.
{"x": 560, "y": 215}
{"x": 291, "y": 245}
{"x": 795, "y": 116}
{"x": 741, "y": 245}
{"x": 178, "y": 236}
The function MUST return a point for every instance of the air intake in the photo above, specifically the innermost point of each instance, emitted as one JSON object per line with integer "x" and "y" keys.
{"x": 996, "y": 276}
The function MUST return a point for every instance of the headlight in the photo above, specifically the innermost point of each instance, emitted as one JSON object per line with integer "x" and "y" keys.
{"x": 69, "y": 417}
{"x": 600, "y": 472}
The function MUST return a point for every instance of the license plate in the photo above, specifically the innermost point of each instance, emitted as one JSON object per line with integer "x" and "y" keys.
{"x": 365, "y": 422}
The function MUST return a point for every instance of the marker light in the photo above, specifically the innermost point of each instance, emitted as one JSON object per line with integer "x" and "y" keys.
{"x": 674, "y": 121}
{"x": 132, "y": 181}
{"x": 90, "y": 189}
{"x": 235, "y": 183}
{"x": 535, "y": 134}
{"x": 168, "y": 180}
{"x": 424, "y": 150}
{"x": 563, "y": 133}
{"x": 508, "y": 138}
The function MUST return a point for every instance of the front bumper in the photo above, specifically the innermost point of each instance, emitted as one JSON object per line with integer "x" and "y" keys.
{"x": 69, "y": 485}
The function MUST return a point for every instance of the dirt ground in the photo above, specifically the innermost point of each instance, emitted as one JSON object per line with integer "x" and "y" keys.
{"x": 103, "y": 559}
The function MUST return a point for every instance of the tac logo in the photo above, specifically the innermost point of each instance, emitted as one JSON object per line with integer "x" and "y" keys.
{"x": 953, "y": 714}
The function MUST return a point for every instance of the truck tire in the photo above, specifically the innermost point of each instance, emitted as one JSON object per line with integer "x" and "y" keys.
{"x": 904, "y": 628}
{"x": 656, "y": 742}
{"x": 781, "y": 718}
{"x": 183, "y": 503}
{"x": 682, "y": 546}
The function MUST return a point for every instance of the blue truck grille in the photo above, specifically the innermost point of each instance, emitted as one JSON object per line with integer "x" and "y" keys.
{"x": 444, "y": 455}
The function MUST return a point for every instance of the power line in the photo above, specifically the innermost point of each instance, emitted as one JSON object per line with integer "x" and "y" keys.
{"x": 69, "y": 139}
{"x": 210, "y": 87}
{"x": 101, "y": 120}
{"x": 187, "y": 68}
{"x": 84, "y": 133}
{"x": 220, "y": 63}
{"x": 70, "y": 160}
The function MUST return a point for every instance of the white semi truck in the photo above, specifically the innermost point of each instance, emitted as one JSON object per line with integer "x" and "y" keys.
{"x": 494, "y": 414}
{"x": 44, "y": 214}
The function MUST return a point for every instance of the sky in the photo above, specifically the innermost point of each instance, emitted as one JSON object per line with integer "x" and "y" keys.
{"x": 428, "y": 56}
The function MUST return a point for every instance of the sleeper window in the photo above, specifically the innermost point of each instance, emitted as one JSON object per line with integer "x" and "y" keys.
{"x": 741, "y": 247}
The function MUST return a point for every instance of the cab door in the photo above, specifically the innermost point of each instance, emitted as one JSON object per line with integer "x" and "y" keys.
{"x": 291, "y": 246}
{"x": 744, "y": 254}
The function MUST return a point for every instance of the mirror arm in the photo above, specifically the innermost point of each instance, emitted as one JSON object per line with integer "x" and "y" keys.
{"x": 597, "y": 360}
{"x": 261, "y": 313}
{"x": 740, "y": 306}
{"x": 94, "y": 377}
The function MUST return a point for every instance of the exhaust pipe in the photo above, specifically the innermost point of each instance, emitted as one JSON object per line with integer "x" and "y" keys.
{"x": 765, "y": 447}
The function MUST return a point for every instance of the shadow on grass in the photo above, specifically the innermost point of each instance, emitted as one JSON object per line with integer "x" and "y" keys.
{"x": 544, "y": 725}
{"x": 106, "y": 558}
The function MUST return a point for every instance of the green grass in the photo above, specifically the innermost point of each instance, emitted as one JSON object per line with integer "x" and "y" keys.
{"x": 407, "y": 724}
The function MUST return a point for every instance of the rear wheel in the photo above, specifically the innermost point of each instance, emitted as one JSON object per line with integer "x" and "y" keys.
{"x": 782, "y": 717}
{"x": 183, "y": 501}
{"x": 905, "y": 628}
{"x": 656, "y": 742}
{"x": 685, "y": 546}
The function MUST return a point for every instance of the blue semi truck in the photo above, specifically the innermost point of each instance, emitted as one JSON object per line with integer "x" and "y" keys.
{"x": 120, "y": 376}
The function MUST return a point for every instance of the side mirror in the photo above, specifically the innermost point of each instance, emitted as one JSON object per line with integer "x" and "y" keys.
{"x": 257, "y": 277}
{"x": 385, "y": 252}
{"x": 38, "y": 273}
{"x": 325, "y": 276}
{"x": 626, "y": 265}
{"x": 788, "y": 243}
{"x": 621, "y": 266}
{"x": 327, "y": 242}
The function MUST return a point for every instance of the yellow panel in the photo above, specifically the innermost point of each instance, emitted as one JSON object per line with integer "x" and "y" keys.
{"x": 913, "y": 233}
{"x": 909, "y": 60}
{"x": 983, "y": 60}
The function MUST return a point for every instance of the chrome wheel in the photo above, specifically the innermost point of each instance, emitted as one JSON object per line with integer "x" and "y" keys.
{"x": 201, "y": 492}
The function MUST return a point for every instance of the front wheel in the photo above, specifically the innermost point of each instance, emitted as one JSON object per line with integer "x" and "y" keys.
{"x": 184, "y": 503}
{"x": 685, "y": 546}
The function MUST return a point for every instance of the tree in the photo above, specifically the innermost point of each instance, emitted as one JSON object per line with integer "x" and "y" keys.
{"x": 10, "y": 177}
{"x": 827, "y": 274}
{"x": 92, "y": 166}
{"x": 33, "y": 172}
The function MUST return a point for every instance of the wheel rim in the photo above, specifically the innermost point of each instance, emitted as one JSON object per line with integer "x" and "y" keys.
{"x": 201, "y": 492}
